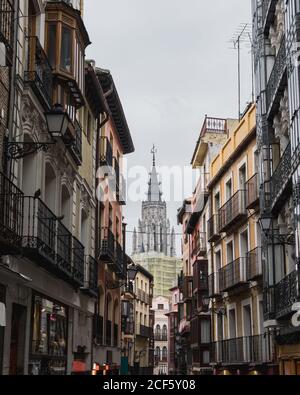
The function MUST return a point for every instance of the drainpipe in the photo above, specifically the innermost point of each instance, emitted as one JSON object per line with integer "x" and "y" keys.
{"x": 8, "y": 165}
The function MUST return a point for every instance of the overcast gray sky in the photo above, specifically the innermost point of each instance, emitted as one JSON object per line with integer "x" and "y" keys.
{"x": 171, "y": 62}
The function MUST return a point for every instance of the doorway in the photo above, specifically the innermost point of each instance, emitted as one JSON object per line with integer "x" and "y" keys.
{"x": 17, "y": 340}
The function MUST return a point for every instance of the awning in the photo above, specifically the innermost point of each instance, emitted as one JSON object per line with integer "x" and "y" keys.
{"x": 2, "y": 314}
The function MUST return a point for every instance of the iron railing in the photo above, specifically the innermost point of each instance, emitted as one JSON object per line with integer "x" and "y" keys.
{"x": 232, "y": 274}
{"x": 11, "y": 214}
{"x": 7, "y": 25}
{"x": 253, "y": 264}
{"x": 268, "y": 11}
{"x": 281, "y": 175}
{"x": 145, "y": 331}
{"x": 276, "y": 77}
{"x": 107, "y": 250}
{"x": 160, "y": 337}
{"x": 106, "y": 152}
{"x": 213, "y": 285}
{"x": 213, "y": 225}
{"x": 64, "y": 249}
{"x": 243, "y": 350}
{"x": 76, "y": 147}
{"x": 200, "y": 247}
{"x": 78, "y": 261}
{"x": 40, "y": 231}
{"x": 286, "y": 294}
{"x": 232, "y": 210}
{"x": 39, "y": 73}
{"x": 252, "y": 192}
{"x": 91, "y": 275}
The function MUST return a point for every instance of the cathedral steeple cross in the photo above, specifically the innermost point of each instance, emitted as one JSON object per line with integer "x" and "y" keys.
{"x": 153, "y": 152}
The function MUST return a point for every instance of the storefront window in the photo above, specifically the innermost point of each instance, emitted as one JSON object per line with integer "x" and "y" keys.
{"x": 49, "y": 337}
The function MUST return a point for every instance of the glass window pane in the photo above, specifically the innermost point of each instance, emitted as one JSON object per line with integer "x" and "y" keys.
{"x": 66, "y": 49}
{"x": 51, "y": 45}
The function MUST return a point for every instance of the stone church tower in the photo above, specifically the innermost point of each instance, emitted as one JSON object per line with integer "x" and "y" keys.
{"x": 154, "y": 233}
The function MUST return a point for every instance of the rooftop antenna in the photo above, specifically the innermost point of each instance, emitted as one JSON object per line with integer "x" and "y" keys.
{"x": 241, "y": 36}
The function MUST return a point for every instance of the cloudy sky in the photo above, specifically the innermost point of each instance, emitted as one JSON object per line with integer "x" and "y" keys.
{"x": 172, "y": 64}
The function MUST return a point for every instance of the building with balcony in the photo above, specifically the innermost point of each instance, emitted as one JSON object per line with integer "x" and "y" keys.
{"x": 58, "y": 239}
{"x": 161, "y": 327}
{"x": 173, "y": 343}
{"x": 235, "y": 287}
{"x": 153, "y": 243}
{"x": 275, "y": 35}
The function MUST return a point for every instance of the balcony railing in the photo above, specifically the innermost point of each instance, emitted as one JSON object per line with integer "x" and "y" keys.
{"x": 213, "y": 285}
{"x": 76, "y": 147}
{"x": 98, "y": 329}
{"x": 7, "y": 25}
{"x": 253, "y": 264}
{"x": 252, "y": 192}
{"x": 40, "y": 232}
{"x": 142, "y": 296}
{"x": 160, "y": 337}
{"x": 214, "y": 125}
{"x": 281, "y": 176}
{"x": 200, "y": 247}
{"x": 78, "y": 261}
{"x": 233, "y": 211}
{"x": 244, "y": 350}
{"x": 47, "y": 241}
{"x": 107, "y": 250}
{"x": 286, "y": 294}
{"x": 91, "y": 276}
{"x": 145, "y": 331}
{"x": 39, "y": 73}
{"x": 108, "y": 333}
{"x": 11, "y": 215}
{"x": 275, "y": 83}
{"x": 213, "y": 225}
{"x": 106, "y": 152}
{"x": 232, "y": 274}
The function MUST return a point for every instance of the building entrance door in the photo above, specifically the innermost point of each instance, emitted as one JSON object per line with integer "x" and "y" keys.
{"x": 17, "y": 340}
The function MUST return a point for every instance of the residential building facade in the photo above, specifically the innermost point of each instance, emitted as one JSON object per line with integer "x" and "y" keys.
{"x": 275, "y": 41}
{"x": 161, "y": 328}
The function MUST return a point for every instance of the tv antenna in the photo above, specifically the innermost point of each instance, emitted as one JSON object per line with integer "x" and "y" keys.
{"x": 241, "y": 36}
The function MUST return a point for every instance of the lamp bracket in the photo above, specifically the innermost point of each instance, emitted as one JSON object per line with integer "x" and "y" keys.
{"x": 19, "y": 150}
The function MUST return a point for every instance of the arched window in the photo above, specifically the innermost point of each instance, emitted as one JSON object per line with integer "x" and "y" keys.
{"x": 165, "y": 332}
{"x": 157, "y": 330}
{"x": 157, "y": 353}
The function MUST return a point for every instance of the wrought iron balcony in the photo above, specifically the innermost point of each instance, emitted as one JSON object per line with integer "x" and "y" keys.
{"x": 232, "y": 275}
{"x": 107, "y": 250}
{"x": 213, "y": 225}
{"x": 159, "y": 337}
{"x": 40, "y": 233}
{"x": 98, "y": 329}
{"x": 120, "y": 261}
{"x": 233, "y": 211}
{"x": 11, "y": 216}
{"x": 106, "y": 152}
{"x": 213, "y": 285}
{"x": 244, "y": 350}
{"x": 281, "y": 182}
{"x": 200, "y": 247}
{"x": 76, "y": 147}
{"x": 277, "y": 80}
{"x": 286, "y": 293}
{"x": 39, "y": 73}
{"x": 200, "y": 271}
{"x": 144, "y": 331}
{"x": 78, "y": 261}
{"x": 91, "y": 276}
{"x": 7, "y": 25}
{"x": 253, "y": 264}
{"x": 252, "y": 192}
{"x": 64, "y": 250}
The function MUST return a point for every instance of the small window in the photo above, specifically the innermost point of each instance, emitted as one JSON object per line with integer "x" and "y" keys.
{"x": 66, "y": 49}
{"x": 160, "y": 307}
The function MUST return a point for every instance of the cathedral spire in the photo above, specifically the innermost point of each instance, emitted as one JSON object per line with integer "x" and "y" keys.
{"x": 154, "y": 193}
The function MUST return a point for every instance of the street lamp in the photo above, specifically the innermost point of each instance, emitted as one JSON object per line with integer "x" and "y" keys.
{"x": 265, "y": 222}
{"x": 57, "y": 121}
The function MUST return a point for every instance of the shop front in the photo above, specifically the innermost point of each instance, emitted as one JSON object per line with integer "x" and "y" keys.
{"x": 48, "y": 348}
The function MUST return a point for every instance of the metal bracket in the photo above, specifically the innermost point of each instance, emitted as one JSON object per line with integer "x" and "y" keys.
{"x": 19, "y": 150}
